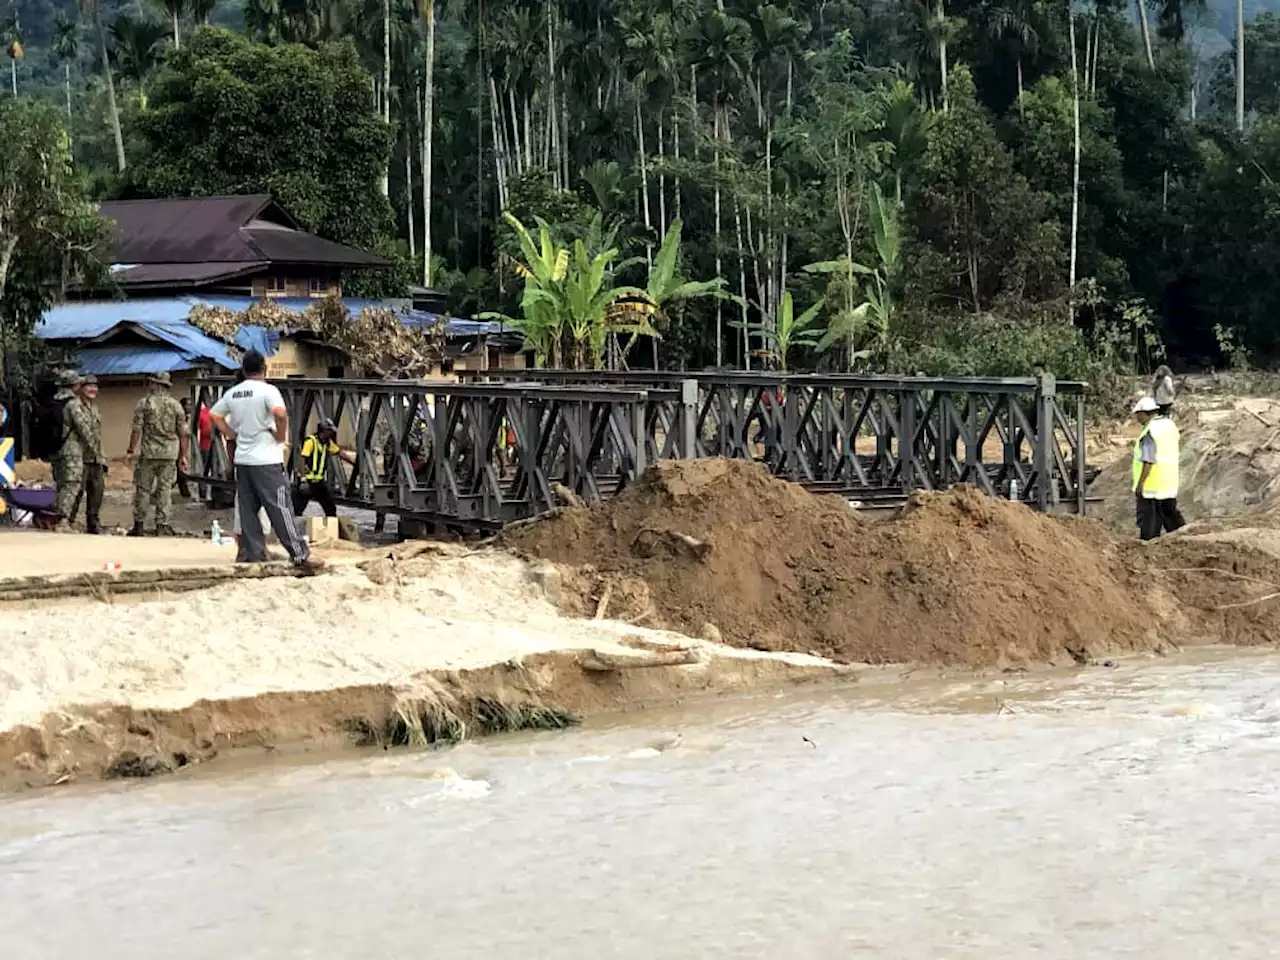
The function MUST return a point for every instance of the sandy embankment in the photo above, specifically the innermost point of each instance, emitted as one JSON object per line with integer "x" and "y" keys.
{"x": 445, "y": 644}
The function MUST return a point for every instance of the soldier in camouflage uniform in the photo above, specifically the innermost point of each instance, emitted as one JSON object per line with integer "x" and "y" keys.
{"x": 83, "y": 465}
{"x": 159, "y": 440}
{"x": 68, "y": 490}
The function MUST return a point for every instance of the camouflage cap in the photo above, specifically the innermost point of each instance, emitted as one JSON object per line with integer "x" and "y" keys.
{"x": 163, "y": 379}
{"x": 88, "y": 379}
{"x": 69, "y": 378}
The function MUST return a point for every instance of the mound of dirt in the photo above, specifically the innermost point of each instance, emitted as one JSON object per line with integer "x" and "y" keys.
{"x": 959, "y": 578}
{"x": 1229, "y": 461}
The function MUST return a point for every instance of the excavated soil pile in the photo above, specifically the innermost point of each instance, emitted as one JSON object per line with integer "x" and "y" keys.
{"x": 959, "y": 578}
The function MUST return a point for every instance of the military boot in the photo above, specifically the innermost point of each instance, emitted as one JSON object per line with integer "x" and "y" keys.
{"x": 136, "y": 531}
{"x": 164, "y": 530}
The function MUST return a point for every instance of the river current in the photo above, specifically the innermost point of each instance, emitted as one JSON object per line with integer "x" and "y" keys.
{"x": 1123, "y": 812}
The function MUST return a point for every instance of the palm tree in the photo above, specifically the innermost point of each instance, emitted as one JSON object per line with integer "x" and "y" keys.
{"x": 66, "y": 47}
{"x": 934, "y": 32}
{"x": 93, "y": 10}
{"x": 906, "y": 126}
{"x": 1015, "y": 21}
{"x": 175, "y": 9}
{"x": 137, "y": 48}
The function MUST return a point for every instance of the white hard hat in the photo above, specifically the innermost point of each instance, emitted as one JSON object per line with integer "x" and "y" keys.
{"x": 1145, "y": 405}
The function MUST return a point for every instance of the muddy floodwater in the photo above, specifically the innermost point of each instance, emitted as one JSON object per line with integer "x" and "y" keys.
{"x": 1126, "y": 812}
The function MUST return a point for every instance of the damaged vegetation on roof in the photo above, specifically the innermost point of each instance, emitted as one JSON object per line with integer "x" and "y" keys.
{"x": 375, "y": 339}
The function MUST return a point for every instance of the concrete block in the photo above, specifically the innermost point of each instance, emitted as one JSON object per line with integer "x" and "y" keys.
{"x": 321, "y": 529}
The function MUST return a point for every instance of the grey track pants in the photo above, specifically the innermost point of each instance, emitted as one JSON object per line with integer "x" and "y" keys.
{"x": 266, "y": 487}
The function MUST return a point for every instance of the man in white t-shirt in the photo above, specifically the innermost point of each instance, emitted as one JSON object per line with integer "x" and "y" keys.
{"x": 253, "y": 415}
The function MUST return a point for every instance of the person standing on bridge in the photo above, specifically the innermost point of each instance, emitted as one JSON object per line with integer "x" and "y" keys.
{"x": 313, "y": 483}
{"x": 1155, "y": 470}
{"x": 159, "y": 441}
{"x": 253, "y": 415}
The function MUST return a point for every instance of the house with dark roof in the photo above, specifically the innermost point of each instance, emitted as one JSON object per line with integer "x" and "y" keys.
{"x": 171, "y": 255}
{"x": 244, "y": 245}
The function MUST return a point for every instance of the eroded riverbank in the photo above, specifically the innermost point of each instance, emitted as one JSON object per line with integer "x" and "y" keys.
{"x": 440, "y": 645}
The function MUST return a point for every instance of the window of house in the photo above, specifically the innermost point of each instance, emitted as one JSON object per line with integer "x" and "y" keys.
{"x": 319, "y": 286}
{"x": 275, "y": 284}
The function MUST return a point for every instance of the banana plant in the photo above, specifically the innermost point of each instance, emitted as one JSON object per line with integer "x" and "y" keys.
{"x": 666, "y": 289}
{"x": 866, "y": 292}
{"x": 789, "y": 331}
{"x": 568, "y": 299}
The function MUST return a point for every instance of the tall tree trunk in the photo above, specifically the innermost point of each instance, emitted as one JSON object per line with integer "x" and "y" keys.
{"x": 177, "y": 40}
{"x": 1146, "y": 34}
{"x": 662, "y": 177}
{"x": 112, "y": 110}
{"x": 428, "y": 128}
{"x": 719, "y": 266}
{"x": 480, "y": 134}
{"x": 1240, "y": 66}
{"x": 942, "y": 56}
{"x": 66, "y": 80}
{"x": 408, "y": 190}
{"x": 644, "y": 184}
{"x": 1019, "y": 86}
{"x": 528, "y": 132}
{"x": 13, "y": 74}
{"x": 553, "y": 151}
{"x": 384, "y": 183}
{"x": 1075, "y": 167}
{"x": 498, "y": 134}
{"x": 742, "y": 290}
{"x": 1097, "y": 42}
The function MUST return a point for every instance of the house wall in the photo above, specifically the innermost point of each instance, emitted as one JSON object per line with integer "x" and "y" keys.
{"x": 303, "y": 358}
{"x": 318, "y": 284}
{"x": 117, "y": 396}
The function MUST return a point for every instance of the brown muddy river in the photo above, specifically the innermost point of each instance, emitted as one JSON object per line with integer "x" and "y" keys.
{"x": 1127, "y": 812}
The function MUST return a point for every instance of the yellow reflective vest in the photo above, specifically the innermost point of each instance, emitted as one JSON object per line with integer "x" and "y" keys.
{"x": 316, "y": 453}
{"x": 1162, "y": 481}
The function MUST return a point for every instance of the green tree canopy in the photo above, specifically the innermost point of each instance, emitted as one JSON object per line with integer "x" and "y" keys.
{"x": 50, "y": 234}
{"x": 228, "y": 115}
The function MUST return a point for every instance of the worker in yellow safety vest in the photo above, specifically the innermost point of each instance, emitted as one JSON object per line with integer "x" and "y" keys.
{"x": 313, "y": 477}
{"x": 1155, "y": 470}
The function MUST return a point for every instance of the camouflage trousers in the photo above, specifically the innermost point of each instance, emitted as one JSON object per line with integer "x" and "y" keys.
{"x": 68, "y": 477}
{"x": 78, "y": 480}
{"x": 153, "y": 487}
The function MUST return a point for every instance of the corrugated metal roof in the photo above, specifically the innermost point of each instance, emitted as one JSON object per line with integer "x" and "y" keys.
{"x": 124, "y": 361}
{"x": 166, "y": 318}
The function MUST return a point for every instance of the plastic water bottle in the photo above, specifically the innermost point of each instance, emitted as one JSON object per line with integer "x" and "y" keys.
{"x": 215, "y": 534}
{"x": 1013, "y": 489}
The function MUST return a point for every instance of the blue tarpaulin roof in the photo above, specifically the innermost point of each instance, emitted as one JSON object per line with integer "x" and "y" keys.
{"x": 181, "y": 345}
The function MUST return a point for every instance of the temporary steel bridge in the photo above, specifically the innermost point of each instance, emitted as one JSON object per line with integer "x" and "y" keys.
{"x": 437, "y": 452}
